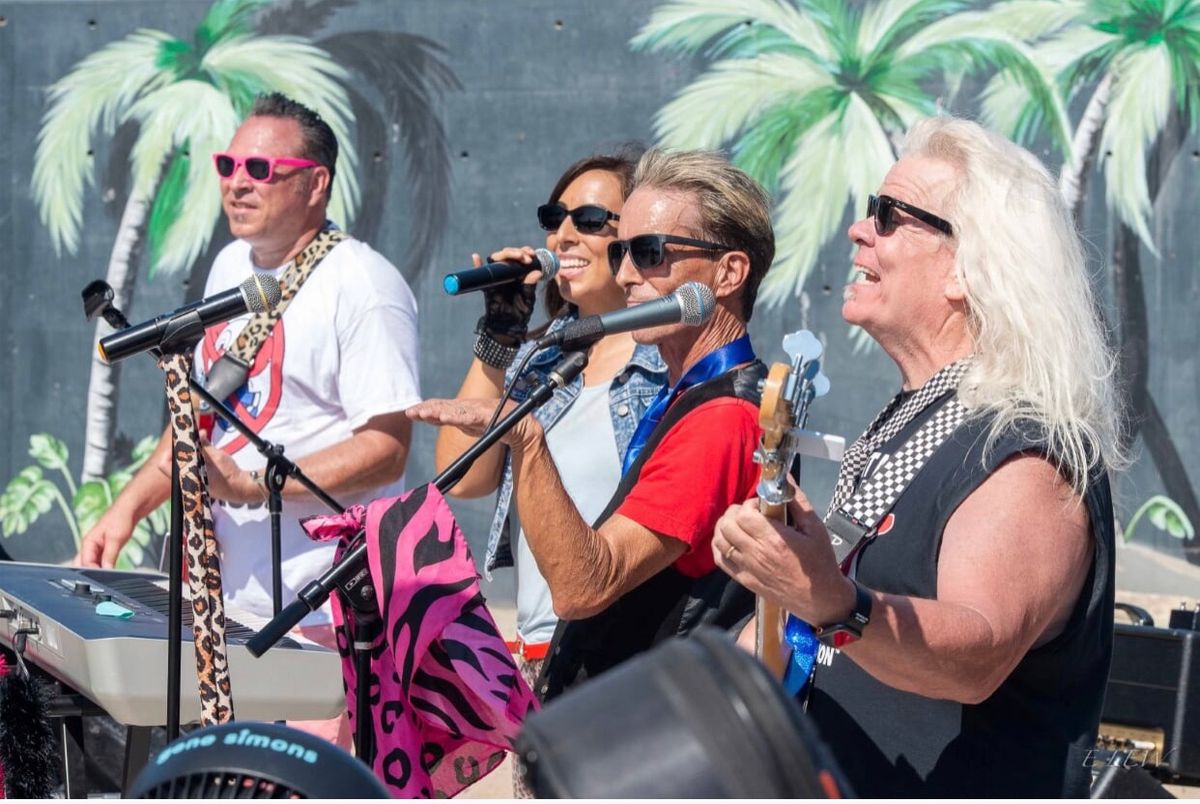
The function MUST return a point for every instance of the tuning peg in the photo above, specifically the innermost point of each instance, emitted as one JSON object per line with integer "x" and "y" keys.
{"x": 802, "y": 344}
{"x": 820, "y": 384}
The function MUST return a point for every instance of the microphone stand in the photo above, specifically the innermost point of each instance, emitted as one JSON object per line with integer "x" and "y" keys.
{"x": 351, "y": 575}
{"x": 98, "y": 302}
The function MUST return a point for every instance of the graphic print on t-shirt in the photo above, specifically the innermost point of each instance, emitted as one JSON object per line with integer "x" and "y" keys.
{"x": 258, "y": 399}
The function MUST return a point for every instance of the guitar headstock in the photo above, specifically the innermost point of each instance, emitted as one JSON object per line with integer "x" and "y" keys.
{"x": 786, "y": 395}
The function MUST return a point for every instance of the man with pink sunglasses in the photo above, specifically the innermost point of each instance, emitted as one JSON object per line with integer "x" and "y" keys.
{"x": 330, "y": 383}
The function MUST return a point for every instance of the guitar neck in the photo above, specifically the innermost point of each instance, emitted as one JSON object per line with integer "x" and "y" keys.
{"x": 769, "y": 617}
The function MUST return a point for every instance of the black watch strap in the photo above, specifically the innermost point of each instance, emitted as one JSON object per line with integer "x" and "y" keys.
{"x": 850, "y": 629}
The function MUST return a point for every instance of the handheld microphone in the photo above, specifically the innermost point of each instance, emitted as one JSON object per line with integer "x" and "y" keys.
{"x": 692, "y": 303}
{"x": 500, "y": 273}
{"x": 257, "y": 294}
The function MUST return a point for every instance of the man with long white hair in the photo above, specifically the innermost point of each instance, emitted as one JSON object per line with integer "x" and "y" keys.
{"x": 961, "y": 585}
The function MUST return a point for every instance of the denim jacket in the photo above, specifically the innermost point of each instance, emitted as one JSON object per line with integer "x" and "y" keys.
{"x": 632, "y": 391}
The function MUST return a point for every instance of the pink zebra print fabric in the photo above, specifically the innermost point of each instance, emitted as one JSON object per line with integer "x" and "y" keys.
{"x": 450, "y": 700}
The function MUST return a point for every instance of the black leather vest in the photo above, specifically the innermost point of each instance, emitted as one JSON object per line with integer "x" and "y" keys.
{"x": 1031, "y": 737}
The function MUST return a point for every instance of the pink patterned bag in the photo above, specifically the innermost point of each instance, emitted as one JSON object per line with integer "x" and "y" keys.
{"x": 450, "y": 698}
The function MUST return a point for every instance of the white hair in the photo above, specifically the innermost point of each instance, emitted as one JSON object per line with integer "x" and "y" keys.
{"x": 1040, "y": 349}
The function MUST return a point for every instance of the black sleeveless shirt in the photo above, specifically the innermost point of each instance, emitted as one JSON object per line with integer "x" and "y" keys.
{"x": 667, "y": 604}
{"x": 1031, "y": 737}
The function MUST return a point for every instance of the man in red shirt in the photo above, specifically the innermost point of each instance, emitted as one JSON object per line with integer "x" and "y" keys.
{"x": 645, "y": 571}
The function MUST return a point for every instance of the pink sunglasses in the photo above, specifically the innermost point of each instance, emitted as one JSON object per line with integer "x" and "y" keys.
{"x": 258, "y": 168}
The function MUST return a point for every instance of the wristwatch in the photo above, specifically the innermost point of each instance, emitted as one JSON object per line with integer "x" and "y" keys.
{"x": 850, "y": 629}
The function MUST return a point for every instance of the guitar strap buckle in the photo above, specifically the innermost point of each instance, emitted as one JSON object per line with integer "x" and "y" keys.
{"x": 845, "y": 534}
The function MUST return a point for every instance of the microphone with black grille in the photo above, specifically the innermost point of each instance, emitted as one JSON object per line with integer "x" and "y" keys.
{"x": 692, "y": 304}
{"x": 257, "y": 294}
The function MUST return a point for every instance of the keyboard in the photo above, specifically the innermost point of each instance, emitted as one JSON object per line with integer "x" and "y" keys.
{"x": 121, "y": 664}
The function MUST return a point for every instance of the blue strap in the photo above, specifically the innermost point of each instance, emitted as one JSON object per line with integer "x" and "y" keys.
{"x": 714, "y": 364}
{"x": 800, "y": 636}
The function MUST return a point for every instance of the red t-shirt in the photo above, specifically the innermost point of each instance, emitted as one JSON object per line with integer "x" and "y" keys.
{"x": 700, "y": 468}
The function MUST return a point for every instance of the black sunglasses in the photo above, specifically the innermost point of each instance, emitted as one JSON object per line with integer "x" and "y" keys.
{"x": 880, "y": 208}
{"x": 648, "y": 250}
{"x": 588, "y": 218}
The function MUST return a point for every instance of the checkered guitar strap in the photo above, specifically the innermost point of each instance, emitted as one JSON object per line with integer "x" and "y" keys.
{"x": 858, "y": 506}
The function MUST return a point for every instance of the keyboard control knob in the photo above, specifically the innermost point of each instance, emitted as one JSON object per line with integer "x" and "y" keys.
{"x": 82, "y": 589}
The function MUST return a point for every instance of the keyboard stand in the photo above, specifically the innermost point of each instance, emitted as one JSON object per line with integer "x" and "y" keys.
{"x": 67, "y": 709}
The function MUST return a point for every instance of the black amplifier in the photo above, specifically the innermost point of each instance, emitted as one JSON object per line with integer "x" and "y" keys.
{"x": 1152, "y": 703}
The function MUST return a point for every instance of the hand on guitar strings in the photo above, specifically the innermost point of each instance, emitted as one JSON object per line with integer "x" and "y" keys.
{"x": 792, "y": 566}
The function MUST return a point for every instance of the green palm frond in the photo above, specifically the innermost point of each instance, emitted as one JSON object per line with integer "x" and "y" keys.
{"x": 807, "y": 218}
{"x": 767, "y": 144}
{"x": 226, "y": 19}
{"x": 307, "y": 74}
{"x": 1087, "y": 66}
{"x": 887, "y": 23}
{"x": 1184, "y": 51}
{"x": 1077, "y": 53}
{"x": 1137, "y": 111}
{"x": 1006, "y": 101}
{"x": 94, "y": 96}
{"x": 731, "y": 96}
{"x": 684, "y": 27}
{"x": 961, "y": 40}
{"x": 196, "y": 113}
{"x": 167, "y": 201}
{"x": 1005, "y": 107}
{"x": 1033, "y": 20}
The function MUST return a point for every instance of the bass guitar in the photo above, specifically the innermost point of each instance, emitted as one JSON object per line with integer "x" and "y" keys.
{"x": 787, "y": 392}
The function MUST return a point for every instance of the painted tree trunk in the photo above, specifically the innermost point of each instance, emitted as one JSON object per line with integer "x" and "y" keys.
{"x": 103, "y": 385}
{"x": 1072, "y": 182}
{"x": 1145, "y": 418}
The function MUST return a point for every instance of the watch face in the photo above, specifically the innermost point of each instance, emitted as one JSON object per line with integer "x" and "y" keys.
{"x": 845, "y": 637}
{"x": 835, "y": 636}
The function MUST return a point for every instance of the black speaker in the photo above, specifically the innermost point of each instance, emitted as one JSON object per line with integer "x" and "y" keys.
{"x": 692, "y": 718}
{"x": 248, "y": 759}
{"x": 1154, "y": 687}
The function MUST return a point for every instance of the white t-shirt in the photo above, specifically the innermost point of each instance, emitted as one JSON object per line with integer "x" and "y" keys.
{"x": 345, "y": 350}
{"x": 582, "y": 444}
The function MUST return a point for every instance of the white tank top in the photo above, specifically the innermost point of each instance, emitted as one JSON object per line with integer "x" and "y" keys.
{"x": 584, "y": 449}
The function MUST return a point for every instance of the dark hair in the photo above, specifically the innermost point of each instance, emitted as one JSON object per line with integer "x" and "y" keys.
{"x": 734, "y": 209}
{"x": 320, "y": 144}
{"x": 622, "y": 163}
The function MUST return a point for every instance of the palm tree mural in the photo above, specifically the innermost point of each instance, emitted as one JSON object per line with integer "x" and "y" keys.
{"x": 186, "y": 99}
{"x": 800, "y": 85}
{"x": 1138, "y": 64}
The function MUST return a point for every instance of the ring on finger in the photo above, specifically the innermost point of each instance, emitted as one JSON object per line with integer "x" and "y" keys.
{"x": 729, "y": 553}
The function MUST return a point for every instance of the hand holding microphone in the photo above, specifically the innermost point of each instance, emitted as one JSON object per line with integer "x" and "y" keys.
{"x": 507, "y": 266}
{"x": 509, "y": 293}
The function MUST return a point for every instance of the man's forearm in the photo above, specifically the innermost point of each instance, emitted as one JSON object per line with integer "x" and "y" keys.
{"x": 573, "y": 558}
{"x": 150, "y": 486}
{"x": 369, "y": 459}
{"x": 935, "y": 649}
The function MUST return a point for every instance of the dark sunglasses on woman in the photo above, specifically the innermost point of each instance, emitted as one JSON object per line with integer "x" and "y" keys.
{"x": 649, "y": 250}
{"x": 880, "y": 207}
{"x": 588, "y": 218}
